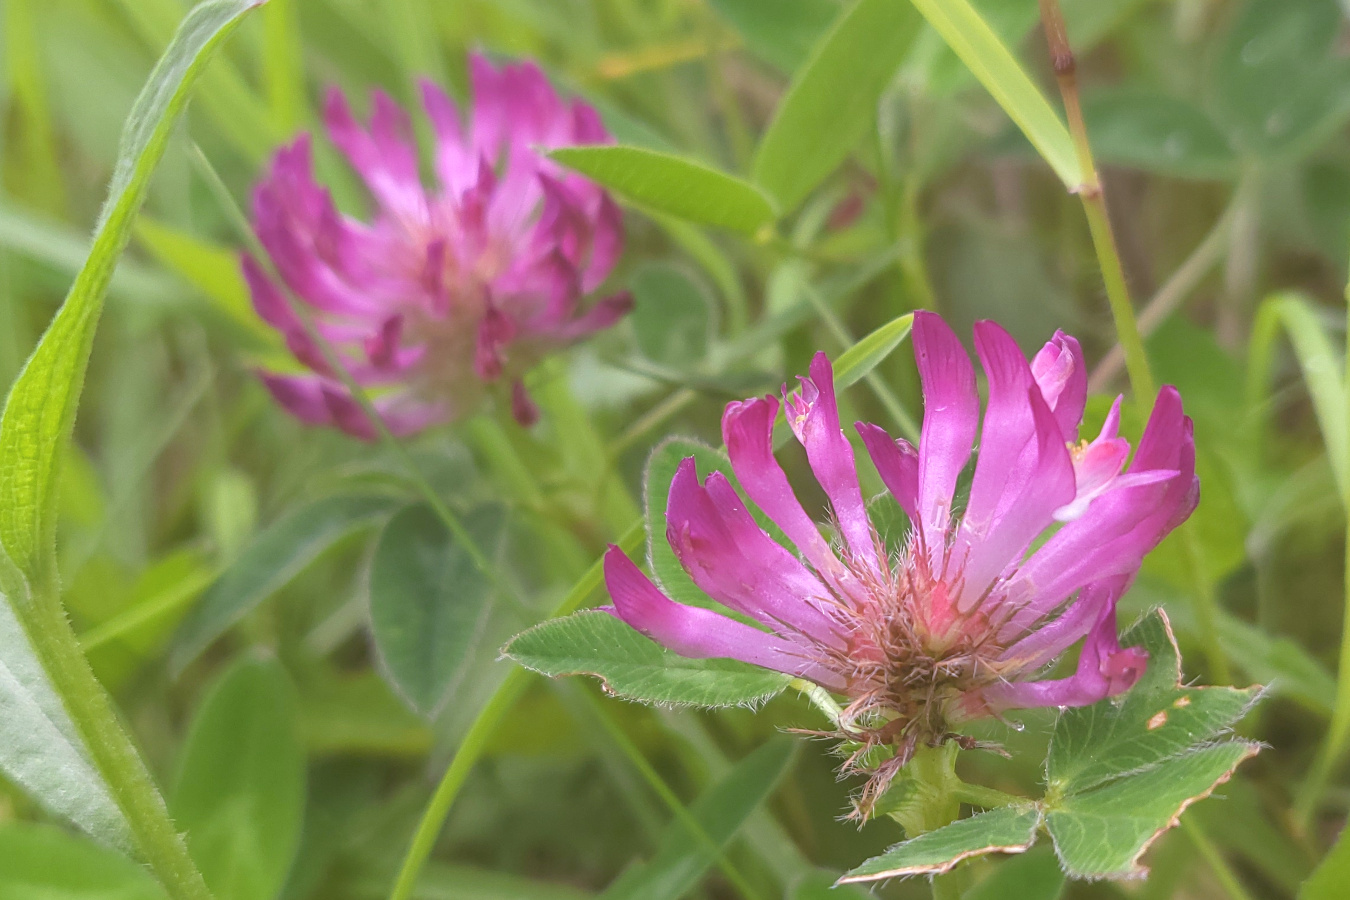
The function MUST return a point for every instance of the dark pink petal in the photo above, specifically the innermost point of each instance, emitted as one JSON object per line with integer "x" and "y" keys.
{"x": 897, "y": 463}
{"x": 382, "y": 347}
{"x": 747, "y": 430}
{"x": 731, "y": 559}
{"x": 587, "y": 127}
{"x": 698, "y": 633}
{"x": 523, "y": 408}
{"x": 1046, "y": 643}
{"x": 606, "y": 243}
{"x": 456, "y": 166}
{"x": 1061, "y": 375}
{"x": 602, "y": 315}
{"x": 951, "y": 415}
{"x": 346, "y": 413}
{"x": 300, "y": 395}
{"x": 813, "y": 414}
{"x": 1104, "y": 670}
{"x": 496, "y": 330}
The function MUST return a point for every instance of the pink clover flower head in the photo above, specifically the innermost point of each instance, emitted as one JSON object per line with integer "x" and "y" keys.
{"x": 966, "y": 617}
{"x": 451, "y": 291}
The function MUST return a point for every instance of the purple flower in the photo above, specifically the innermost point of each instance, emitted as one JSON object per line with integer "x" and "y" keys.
{"x": 961, "y": 620}
{"x": 449, "y": 292}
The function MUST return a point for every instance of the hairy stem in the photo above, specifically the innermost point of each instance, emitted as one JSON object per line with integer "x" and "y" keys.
{"x": 111, "y": 748}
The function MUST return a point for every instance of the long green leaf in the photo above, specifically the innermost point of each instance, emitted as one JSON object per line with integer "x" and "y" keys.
{"x": 40, "y": 411}
{"x": 990, "y": 60}
{"x": 674, "y": 185}
{"x": 278, "y": 554}
{"x": 681, "y": 859}
{"x": 39, "y": 862}
{"x": 833, "y": 98}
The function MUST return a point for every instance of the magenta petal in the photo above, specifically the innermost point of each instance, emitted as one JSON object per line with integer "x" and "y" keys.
{"x": 813, "y": 414}
{"x": 897, "y": 463}
{"x": 300, "y": 395}
{"x": 523, "y": 408}
{"x": 1046, "y": 643}
{"x": 747, "y": 430}
{"x": 1104, "y": 670}
{"x": 694, "y": 632}
{"x": 1061, "y": 374}
{"x": 951, "y": 415}
{"x": 730, "y": 558}
{"x": 1049, "y": 486}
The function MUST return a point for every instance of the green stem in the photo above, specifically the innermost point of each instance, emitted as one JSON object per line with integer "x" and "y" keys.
{"x": 672, "y": 802}
{"x": 1313, "y": 789}
{"x": 111, "y": 748}
{"x": 1094, "y": 206}
{"x": 475, "y": 741}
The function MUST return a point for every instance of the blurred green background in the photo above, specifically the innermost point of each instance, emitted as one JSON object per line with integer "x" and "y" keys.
{"x": 293, "y": 729}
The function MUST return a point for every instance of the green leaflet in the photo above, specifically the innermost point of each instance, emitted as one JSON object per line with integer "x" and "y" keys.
{"x": 278, "y": 554}
{"x": 674, "y": 185}
{"x": 633, "y": 667}
{"x": 1008, "y": 830}
{"x": 429, "y": 602}
{"x": 40, "y": 411}
{"x": 833, "y": 98}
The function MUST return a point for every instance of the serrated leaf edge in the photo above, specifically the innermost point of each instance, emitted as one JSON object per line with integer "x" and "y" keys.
{"x": 1134, "y": 871}
{"x": 942, "y": 868}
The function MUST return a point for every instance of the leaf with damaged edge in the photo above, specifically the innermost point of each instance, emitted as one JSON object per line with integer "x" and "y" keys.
{"x": 633, "y": 667}
{"x": 1154, "y": 721}
{"x": 1102, "y": 833}
{"x": 1010, "y": 829}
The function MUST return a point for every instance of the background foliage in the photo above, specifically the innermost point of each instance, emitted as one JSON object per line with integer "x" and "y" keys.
{"x": 298, "y": 644}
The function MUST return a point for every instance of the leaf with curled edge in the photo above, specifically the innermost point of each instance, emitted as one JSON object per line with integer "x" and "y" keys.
{"x": 1010, "y": 829}
{"x": 636, "y": 668}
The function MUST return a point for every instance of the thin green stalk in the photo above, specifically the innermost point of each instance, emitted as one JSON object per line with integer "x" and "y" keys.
{"x": 1094, "y": 206}
{"x": 1228, "y": 880}
{"x": 672, "y": 802}
{"x": 1312, "y": 791}
{"x": 335, "y": 364}
{"x": 111, "y": 749}
{"x": 475, "y": 741}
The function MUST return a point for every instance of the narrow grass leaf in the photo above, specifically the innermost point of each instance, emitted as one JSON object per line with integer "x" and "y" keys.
{"x": 855, "y": 362}
{"x": 635, "y": 668}
{"x": 40, "y": 411}
{"x": 1329, "y": 880}
{"x": 832, "y": 101}
{"x": 682, "y": 858}
{"x": 674, "y": 185}
{"x": 278, "y": 554}
{"x": 990, "y": 60}
{"x": 240, "y": 790}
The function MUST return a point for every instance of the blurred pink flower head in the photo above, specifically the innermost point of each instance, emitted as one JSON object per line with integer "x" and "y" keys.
{"x": 450, "y": 291}
{"x": 963, "y": 618}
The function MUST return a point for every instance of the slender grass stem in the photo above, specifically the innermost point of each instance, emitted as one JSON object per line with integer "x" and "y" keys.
{"x": 475, "y": 741}
{"x": 1094, "y": 205}
{"x": 1182, "y": 282}
{"x": 111, "y": 748}
{"x": 672, "y": 802}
